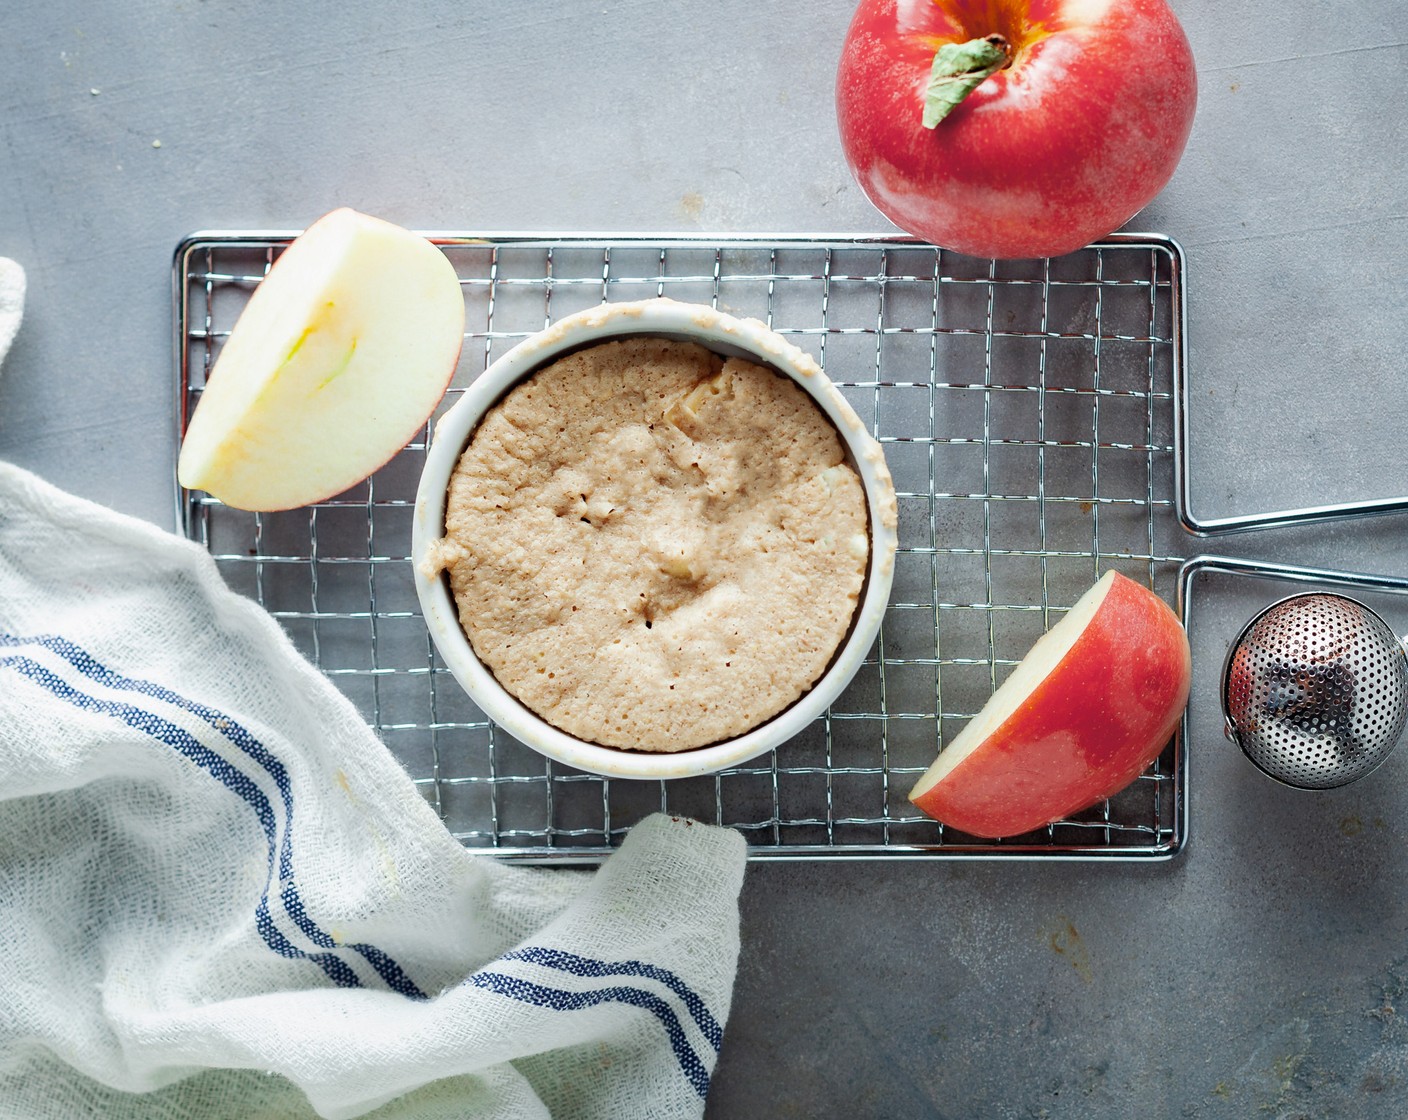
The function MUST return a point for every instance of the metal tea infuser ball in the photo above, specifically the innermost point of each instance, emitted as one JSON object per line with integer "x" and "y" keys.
{"x": 1315, "y": 690}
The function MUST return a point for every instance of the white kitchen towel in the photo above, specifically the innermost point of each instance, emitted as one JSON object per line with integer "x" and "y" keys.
{"x": 220, "y": 896}
{"x": 11, "y": 302}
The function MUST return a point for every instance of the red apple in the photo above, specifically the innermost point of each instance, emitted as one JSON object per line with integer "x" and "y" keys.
{"x": 1083, "y": 715}
{"x": 1081, "y": 124}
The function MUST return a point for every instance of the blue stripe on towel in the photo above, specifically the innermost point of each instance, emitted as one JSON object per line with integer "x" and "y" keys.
{"x": 558, "y": 999}
{"x": 239, "y": 783}
{"x": 586, "y": 966}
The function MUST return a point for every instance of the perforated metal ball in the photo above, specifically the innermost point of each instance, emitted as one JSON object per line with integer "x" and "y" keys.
{"x": 1315, "y": 690}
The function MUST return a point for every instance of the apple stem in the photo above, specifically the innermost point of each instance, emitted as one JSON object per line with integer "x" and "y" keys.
{"x": 959, "y": 68}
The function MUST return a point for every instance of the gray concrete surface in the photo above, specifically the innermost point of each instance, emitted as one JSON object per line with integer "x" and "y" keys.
{"x": 1265, "y": 971}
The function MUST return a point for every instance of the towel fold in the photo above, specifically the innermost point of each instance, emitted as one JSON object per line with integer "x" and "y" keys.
{"x": 11, "y": 302}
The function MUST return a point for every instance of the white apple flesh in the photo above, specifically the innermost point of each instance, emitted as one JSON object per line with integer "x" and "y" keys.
{"x": 1087, "y": 710}
{"x": 341, "y": 354}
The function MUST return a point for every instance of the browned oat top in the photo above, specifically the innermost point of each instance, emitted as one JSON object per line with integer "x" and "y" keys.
{"x": 653, "y": 547}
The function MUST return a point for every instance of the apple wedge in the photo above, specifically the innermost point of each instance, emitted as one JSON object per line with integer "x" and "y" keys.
{"x": 1084, "y": 713}
{"x": 342, "y": 352}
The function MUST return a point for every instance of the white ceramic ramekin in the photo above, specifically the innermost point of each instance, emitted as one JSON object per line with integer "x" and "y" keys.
{"x": 722, "y": 334}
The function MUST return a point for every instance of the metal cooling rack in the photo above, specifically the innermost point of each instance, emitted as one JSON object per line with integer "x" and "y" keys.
{"x": 1025, "y": 408}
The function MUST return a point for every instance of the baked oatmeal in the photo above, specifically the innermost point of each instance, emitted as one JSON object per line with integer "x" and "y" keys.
{"x": 654, "y": 547}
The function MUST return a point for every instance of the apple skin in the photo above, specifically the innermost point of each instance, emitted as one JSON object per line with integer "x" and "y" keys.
{"x": 341, "y": 354}
{"x": 1061, "y": 735}
{"x": 1080, "y": 131}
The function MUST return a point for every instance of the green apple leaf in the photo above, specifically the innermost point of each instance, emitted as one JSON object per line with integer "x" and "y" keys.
{"x": 958, "y": 69}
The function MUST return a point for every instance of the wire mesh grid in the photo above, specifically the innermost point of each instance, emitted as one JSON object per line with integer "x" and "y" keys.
{"x": 1025, "y": 409}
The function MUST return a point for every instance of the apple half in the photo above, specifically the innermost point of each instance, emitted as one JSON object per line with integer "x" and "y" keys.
{"x": 341, "y": 354}
{"x": 1081, "y": 716}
